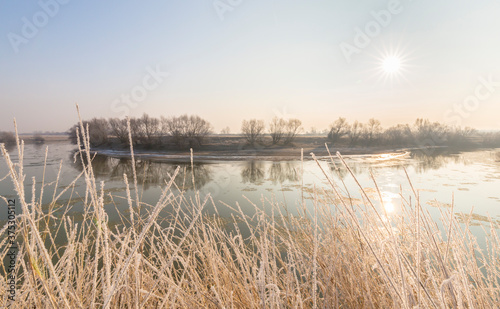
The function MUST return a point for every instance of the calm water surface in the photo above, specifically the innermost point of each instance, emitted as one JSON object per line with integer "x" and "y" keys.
{"x": 471, "y": 178}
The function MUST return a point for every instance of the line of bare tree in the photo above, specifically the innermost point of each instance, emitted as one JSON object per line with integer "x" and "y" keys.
{"x": 182, "y": 131}
{"x": 191, "y": 132}
{"x": 9, "y": 139}
{"x": 422, "y": 133}
{"x": 280, "y": 130}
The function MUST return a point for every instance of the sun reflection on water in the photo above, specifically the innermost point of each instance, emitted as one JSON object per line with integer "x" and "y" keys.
{"x": 389, "y": 202}
{"x": 389, "y": 206}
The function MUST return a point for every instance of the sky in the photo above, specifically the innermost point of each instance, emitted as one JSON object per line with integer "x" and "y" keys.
{"x": 230, "y": 60}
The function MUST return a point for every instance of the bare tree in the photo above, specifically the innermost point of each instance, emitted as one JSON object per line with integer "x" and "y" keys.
{"x": 187, "y": 130}
{"x": 226, "y": 130}
{"x": 372, "y": 130}
{"x": 399, "y": 134}
{"x": 337, "y": 130}
{"x": 252, "y": 130}
{"x": 461, "y": 136}
{"x": 173, "y": 128}
{"x": 136, "y": 131}
{"x": 293, "y": 127}
{"x": 97, "y": 130}
{"x": 277, "y": 129}
{"x": 354, "y": 132}
{"x": 313, "y": 131}
{"x": 426, "y": 132}
{"x": 199, "y": 129}
{"x": 150, "y": 128}
{"x": 119, "y": 129}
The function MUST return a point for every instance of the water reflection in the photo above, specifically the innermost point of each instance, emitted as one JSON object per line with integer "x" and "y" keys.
{"x": 341, "y": 171}
{"x": 10, "y": 147}
{"x": 433, "y": 160}
{"x": 421, "y": 160}
{"x": 264, "y": 173}
{"x": 388, "y": 199}
{"x": 253, "y": 172}
{"x": 280, "y": 172}
{"x": 149, "y": 173}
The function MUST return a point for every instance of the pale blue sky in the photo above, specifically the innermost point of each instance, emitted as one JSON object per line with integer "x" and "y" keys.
{"x": 258, "y": 60}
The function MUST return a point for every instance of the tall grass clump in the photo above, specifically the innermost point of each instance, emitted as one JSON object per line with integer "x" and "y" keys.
{"x": 336, "y": 254}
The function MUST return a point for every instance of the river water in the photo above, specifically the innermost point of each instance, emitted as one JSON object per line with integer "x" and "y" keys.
{"x": 470, "y": 179}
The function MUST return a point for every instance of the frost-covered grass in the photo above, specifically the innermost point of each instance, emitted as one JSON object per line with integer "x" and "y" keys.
{"x": 336, "y": 255}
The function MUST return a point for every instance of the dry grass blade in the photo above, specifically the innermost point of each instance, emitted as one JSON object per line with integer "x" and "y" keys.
{"x": 336, "y": 250}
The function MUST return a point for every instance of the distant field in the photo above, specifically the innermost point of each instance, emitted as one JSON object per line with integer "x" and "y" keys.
{"x": 49, "y": 138}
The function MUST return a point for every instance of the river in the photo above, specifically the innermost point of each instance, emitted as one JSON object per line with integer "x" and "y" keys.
{"x": 471, "y": 180}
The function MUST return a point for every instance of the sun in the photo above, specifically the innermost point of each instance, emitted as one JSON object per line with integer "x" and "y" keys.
{"x": 391, "y": 64}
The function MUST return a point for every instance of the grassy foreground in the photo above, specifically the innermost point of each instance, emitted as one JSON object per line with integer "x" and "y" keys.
{"x": 334, "y": 256}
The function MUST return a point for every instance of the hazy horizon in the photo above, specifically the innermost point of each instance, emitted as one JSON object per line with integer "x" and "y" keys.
{"x": 230, "y": 60}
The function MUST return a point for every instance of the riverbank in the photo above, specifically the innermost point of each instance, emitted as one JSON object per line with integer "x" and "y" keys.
{"x": 234, "y": 148}
{"x": 47, "y": 138}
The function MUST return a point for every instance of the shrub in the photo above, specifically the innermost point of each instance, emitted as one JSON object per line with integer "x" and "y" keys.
{"x": 7, "y": 138}
{"x": 38, "y": 139}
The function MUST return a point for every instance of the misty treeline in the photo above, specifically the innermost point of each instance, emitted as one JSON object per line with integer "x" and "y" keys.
{"x": 422, "y": 133}
{"x": 9, "y": 138}
{"x": 180, "y": 131}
